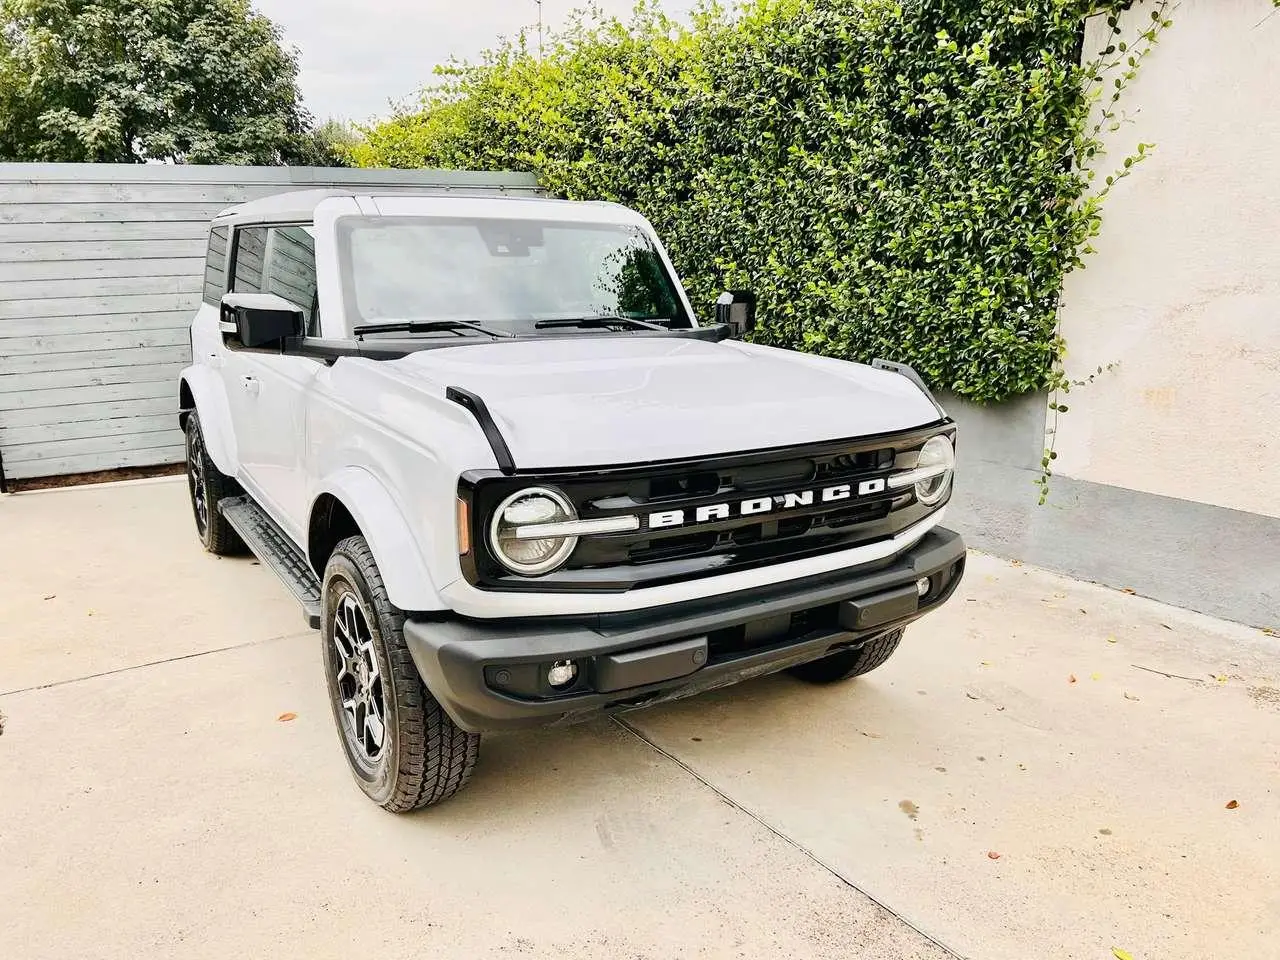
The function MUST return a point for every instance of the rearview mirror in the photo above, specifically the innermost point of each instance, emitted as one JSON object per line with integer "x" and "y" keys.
{"x": 736, "y": 309}
{"x": 259, "y": 320}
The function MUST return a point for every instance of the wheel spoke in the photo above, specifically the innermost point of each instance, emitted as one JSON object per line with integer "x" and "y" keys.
{"x": 374, "y": 726}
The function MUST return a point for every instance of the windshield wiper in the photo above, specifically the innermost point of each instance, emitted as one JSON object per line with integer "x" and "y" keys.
{"x": 589, "y": 322}
{"x": 428, "y": 326}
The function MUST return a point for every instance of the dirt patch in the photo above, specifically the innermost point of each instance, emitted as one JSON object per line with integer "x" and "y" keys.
{"x": 98, "y": 476}
{"x": 1267, "y": 695}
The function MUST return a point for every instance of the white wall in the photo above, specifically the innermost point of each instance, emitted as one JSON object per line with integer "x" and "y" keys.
{"x": 1184, "y": 291}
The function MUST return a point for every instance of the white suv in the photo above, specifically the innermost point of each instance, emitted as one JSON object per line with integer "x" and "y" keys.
{"x": 514, "y": 481}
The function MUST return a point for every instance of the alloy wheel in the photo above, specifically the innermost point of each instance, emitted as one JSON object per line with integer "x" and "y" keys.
{"x": 359, "y": 681}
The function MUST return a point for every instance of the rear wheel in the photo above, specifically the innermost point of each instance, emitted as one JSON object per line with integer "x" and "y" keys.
{"x": 403, "y": 749}
{"x": 208, "y": 487}
{"x": 850, "y": 663}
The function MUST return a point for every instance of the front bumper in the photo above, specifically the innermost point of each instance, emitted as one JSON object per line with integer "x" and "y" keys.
{"x": 490, "y": 674}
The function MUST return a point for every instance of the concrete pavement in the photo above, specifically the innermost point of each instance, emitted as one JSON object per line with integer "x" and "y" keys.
{"x": 152, "y": 804}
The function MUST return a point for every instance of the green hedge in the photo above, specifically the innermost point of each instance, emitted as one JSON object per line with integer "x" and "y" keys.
{"x": 896, "y": 179}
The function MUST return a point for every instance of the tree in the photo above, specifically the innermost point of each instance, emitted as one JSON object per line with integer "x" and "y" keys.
{"x": 188, "y": 81}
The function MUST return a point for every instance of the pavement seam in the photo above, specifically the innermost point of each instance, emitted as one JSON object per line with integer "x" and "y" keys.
{"x": 791, "y": 841}
{"x": 152, "y": 663}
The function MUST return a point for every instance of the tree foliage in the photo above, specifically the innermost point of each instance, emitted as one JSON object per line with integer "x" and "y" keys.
{"x": 196, "y": 81}
{"x": 896, "y": 178}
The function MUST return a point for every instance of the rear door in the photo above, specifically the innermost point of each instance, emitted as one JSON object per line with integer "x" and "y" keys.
{"x": 266, "y": 390}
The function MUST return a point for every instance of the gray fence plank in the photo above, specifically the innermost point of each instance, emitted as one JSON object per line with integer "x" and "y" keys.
{"x": 92, "y": 323}
{"x": 31, "y": 211}
{"x": 100, "y": 250}
{"x": 77, "y": 306}
{"x": 76, "y": 342}
{"x": 88, "y": 361}
{"x": 86, "y": 269}
{"x": 41, "y": 433}
{"x": 90, "y": 463}
{"x": 60, "y": 449}
{"x": 32, "y": 290}
{"x": 142, "y": 192}
{"x": 142, "y": 230}
{"x": 102, "y": 376}
{"x": 74, "y": 396}
{"x": 91, "y": 412}
{"x": 28, "y": 175}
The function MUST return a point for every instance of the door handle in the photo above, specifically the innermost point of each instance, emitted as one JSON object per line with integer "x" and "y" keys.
{"x": 250, "y": 384}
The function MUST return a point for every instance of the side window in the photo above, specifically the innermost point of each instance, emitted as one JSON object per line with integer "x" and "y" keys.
{"x": 279, "y": 260}
{"x": 291, "y": 271}
{"x": 215, "y": 266}
{"x": 251, "y": 246}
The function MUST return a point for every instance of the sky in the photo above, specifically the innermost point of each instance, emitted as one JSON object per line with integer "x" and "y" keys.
{"x": 360, "y": 56}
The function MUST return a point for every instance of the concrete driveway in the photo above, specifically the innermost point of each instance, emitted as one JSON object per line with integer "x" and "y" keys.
{"x": 1022, "y": 781}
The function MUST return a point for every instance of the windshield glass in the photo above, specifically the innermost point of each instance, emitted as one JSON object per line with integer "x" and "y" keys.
{"x": 509, "y": 275}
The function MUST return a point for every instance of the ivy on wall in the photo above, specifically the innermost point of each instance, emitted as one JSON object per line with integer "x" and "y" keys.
{"x": 896, "y": 178}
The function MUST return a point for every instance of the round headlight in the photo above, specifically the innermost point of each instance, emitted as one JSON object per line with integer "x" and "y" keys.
{"x": 523, "y": 555}
{"x": 936, "y": 454}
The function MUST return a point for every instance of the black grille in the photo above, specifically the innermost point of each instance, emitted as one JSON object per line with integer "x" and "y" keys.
{"x": 710, "y": 544}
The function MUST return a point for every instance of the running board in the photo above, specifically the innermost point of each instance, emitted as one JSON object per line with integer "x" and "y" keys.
{"x": 270, "y": 545}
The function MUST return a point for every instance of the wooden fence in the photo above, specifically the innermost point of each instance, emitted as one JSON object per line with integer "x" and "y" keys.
{"x": 101, "y": 267}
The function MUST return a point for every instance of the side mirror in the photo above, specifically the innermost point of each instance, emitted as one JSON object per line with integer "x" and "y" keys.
{"x": 259, "y": 320}
{"x": 736, "y": 309}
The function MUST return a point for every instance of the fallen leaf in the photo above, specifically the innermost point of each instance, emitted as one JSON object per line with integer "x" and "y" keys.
{"x": 1111, "y": 639}
{"x": 1121, "y": 954}
{"x": 986, "y": 663}
{"x": 1071, "y": 678}
{"x": 1129, "y": 590}
{"x": 51, "y": 596}
{"x": 1221, "y": 678}
{"x": 1130, "y": 696}
{"x": 873, "y": 736}
{"x": 1015, "y": 563}
{"x": 1232, "y": 804}
{"x": 1270, "y": 632}
{"x": 1083, "y": 610}
{"x": 993, "y": 855}
{"x": 286, "y": 717}
{"x": 1166, "y": 626}
{"x": 972, "y": 696}
{"x": 1095, "y": 676}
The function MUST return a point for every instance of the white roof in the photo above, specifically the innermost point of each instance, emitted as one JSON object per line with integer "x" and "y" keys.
{"x": 300, "y": 205}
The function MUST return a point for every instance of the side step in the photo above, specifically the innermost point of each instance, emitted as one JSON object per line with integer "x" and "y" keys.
{"x": 270, "y": 545}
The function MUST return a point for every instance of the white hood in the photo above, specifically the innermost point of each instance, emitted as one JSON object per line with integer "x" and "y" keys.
{"x": 596, "y": 400}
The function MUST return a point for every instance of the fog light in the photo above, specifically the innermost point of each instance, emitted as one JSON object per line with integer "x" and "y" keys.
{"x": 562, "y": 673}
{"x": 923, "y": 585}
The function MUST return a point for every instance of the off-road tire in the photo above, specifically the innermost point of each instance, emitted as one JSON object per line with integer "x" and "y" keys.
{"x": 849, "y": 663}
{"x": 425, "y": 757}
{"x": 203, "y": 477}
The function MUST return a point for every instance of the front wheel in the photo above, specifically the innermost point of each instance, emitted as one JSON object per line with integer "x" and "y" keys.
{"x": 844, "y": 664}
{"x": 403, "y": 749}
{"x": 208, "y": 487}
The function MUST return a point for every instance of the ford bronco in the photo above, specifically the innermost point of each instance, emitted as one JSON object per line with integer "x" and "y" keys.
{"x": 514, "y": 481}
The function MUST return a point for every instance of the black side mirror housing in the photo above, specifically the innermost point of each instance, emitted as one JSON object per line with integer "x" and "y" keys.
{"x": 736, "y": 309}
{"x": 260, "y": 320}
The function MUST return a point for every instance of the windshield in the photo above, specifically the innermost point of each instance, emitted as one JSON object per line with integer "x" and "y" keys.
{"x": 517, "y": 276}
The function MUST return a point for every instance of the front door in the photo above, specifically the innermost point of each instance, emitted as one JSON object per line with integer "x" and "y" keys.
{"x": 267, "y": 391}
